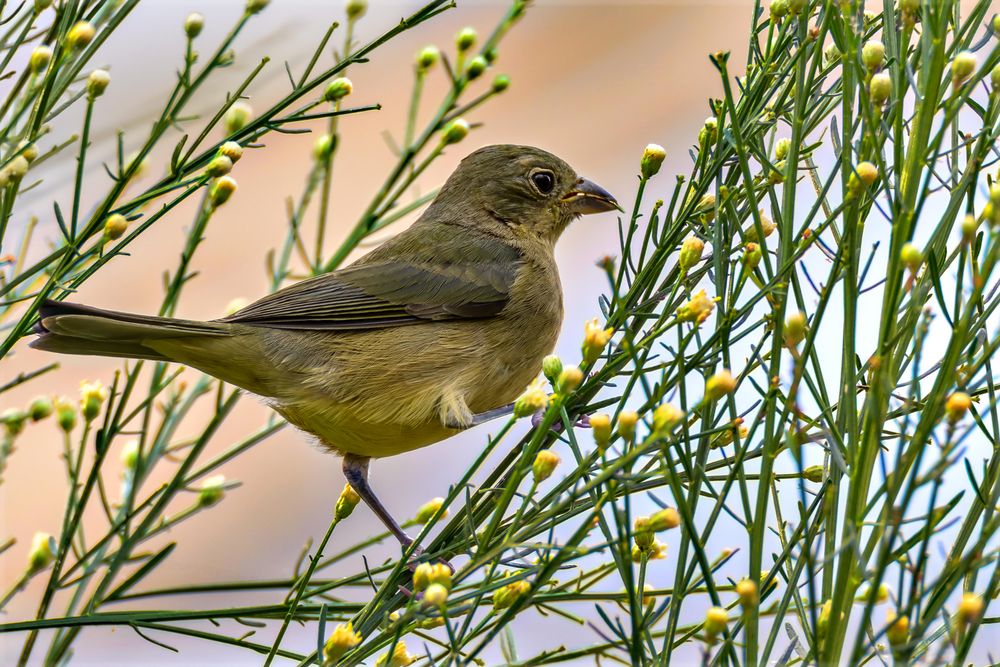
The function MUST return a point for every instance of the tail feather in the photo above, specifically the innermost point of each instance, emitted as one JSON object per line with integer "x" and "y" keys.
{"x": 70, "y": 345}
{"x": 72, "y": 328}
{"x": 74, "y": 319}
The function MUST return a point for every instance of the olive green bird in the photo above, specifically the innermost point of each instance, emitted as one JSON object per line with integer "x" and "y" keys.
{"x": 436, "y": 330}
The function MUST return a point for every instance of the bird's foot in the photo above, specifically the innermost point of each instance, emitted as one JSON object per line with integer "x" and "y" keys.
{"x": 536, "y": 420}
{"x": 417, "y": 557}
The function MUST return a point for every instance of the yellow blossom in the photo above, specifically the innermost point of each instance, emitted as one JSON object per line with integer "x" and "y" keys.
{"x": 595, "y": 339}
{"x": 341, "y": 640}
{"x": 697, "y": 309}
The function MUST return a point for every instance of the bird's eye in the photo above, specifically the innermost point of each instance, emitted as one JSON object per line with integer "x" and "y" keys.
{"x": 544, "y": 181}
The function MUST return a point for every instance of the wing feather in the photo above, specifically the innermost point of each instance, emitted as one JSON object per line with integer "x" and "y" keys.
{"x": 385, "y": 294}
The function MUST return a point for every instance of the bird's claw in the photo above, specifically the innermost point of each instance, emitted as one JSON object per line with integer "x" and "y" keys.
{"x": 536, "y": 421}
{"x": 417, "y": 557}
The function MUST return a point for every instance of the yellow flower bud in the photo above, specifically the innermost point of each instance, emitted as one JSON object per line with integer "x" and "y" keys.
{"x": 40, "y": 408}
{"x": 115, "y": 226}
{"x": 92, "y": 395}
{"x": 995, "y": 78}
{"x": 341, "y": 640}
{"x": 796, "y": 327}
{"x": 552, "y": 366}
{"x": 455, "y": 131}
{"x": 873, "y": 55}
{"x": 697, "y": 309}
{"x": 706, "y": 206}
{"x": 864, "y": 176}
{"x": 427, "y": 511}
{"x": 501, "y": 82}
{"x": 719, "y": 385}
{"x": 642, "y": 534}
{"x": 969, "y": 228}
{"x": 231, "y": 150}
{"x": 39, "y": 60}
{"x": 43, "y": 547}
{"x": 466, "y": 39}
{"x": 778, "y": 10}
{"x": 600, "y": 426}
{"x": 970, "y": 609}
{"x": 65, "y": 414}
{"x": 129, "y": 456}
{"x": 814, "y": 473}
{"x": 346, "y": 503}
{"x": 219, "y": 166}
{"x": 80, "y": 35}
{"x": 431, "y": 573}
{"x": 911, "y": 256}
{"x": 399, "y": 657}
{"x": 657, "y": 550}
{"x": 781, "y": 148}
{"x": 666, "y": 416}
{"x": 338, "y": 89}
{"x": 544, "y": 465}
{"x": 532, "y": 400}
{"x": 237, "y": 116}
{"x": 728, "y": 435}
{"x": 957, "y": 405}
{"x": 16, "y": 169}
{"x": 13, "y": 421}
{"x": 652, "y": 159}
{"x": 751, "y": 256}
{"x": 355, "y": 9}
{"x": 766, "y": 226}
{"x": 898, "y": 632}
{"x": 776, "y": 176}
{"x": 627, "y": 419}
{"x": 595, "y": 339}
{"x": 428, "y": 57}
{"x": 708, "y": 132}
{"x": 666, "y": 519}
{"x": 436, "y": 595}
{"x": 690, "y": 253}
{"x": 880, "y": 88}
{"x": 569, "y": 379}
{"x": 748, "y": 593}
{"x": 716, "y": 619}
{"x": 193, "y": 24}
{"x": 221, "y": 190}
{"x": 256, "y": 6}
{"x": 212, "y": 490}
{"x": 963, "y": 66}
{"x": 476, "y": 68}
{"x": 323, "y": 147}
{"x": 507, "y": 596}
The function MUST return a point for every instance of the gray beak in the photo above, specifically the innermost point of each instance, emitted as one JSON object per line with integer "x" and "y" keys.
{"x": 588, "y": 197}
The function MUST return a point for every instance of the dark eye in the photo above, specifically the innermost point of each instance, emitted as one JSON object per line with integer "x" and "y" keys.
{"x": 544, "y": 181}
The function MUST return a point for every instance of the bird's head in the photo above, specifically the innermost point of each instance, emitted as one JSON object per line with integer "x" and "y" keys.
{"x": 520, "y": 190}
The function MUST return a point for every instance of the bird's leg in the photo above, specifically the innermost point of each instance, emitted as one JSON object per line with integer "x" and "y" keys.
{"x": 356, "y": 472}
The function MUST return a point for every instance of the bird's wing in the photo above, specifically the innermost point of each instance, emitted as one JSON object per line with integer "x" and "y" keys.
{"x": 385, "y": 294}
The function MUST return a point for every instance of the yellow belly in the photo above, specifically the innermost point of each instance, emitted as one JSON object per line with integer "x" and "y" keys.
{"x": 342, "y": 431}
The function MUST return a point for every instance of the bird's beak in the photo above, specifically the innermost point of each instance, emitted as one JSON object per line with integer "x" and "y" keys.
{"x": 588, "y": 197}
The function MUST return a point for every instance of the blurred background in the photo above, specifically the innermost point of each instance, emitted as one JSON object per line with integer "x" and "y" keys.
{"x": 592, "y": 82}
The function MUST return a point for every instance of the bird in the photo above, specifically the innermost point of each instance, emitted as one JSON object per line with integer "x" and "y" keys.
{"x": 436, "y": 330}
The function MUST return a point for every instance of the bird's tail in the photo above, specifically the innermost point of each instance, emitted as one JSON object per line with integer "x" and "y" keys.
{"x": 71, "y": 328}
